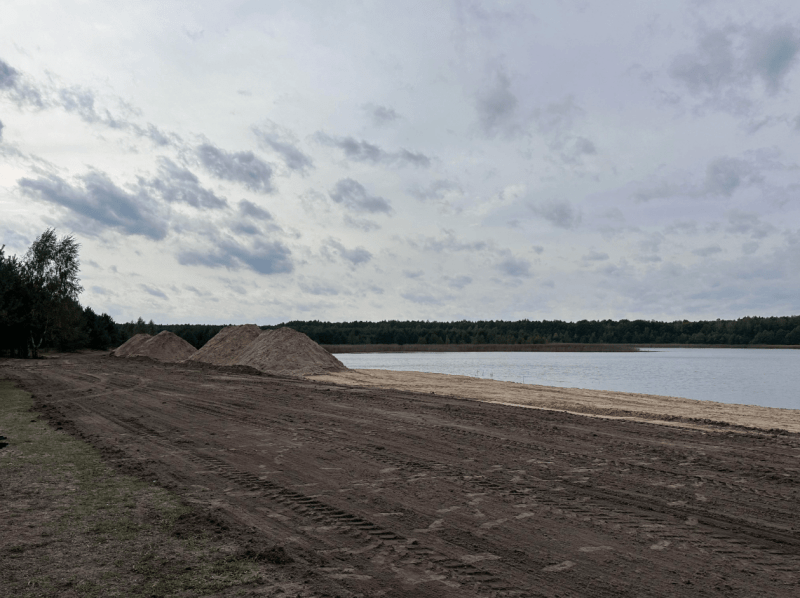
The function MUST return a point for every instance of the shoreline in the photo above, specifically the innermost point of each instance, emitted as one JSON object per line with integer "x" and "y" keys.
{"x": 533, "y": 348}
{"x": 674, "y": 411}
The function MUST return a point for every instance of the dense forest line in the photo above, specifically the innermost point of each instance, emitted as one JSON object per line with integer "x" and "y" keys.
{"x": 744, "y": 331}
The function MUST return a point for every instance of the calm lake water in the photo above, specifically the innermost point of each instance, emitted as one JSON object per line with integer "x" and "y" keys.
{"x": 767, "y": 377}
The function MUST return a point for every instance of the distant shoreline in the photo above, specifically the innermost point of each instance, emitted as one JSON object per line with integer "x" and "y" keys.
{"x": 529, "y": 348}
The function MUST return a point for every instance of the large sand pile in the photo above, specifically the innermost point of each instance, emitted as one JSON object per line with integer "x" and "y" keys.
{"x": 228, "y": 345}
{"x": 131, "y": 345}
{"x": 290, "y": 353}
{"x": 165, "y": 346}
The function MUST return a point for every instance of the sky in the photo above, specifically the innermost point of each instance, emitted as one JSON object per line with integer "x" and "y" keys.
{"x": 246, "y": 161}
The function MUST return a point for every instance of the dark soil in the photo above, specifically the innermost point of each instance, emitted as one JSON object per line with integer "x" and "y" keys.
{"x": 386, "y": 493}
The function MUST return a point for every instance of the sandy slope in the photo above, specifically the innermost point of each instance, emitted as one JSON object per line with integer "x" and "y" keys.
{"x": 678, "y": 411}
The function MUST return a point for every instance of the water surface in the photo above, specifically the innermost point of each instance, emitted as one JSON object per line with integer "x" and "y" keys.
{"x": 766, "y": 377}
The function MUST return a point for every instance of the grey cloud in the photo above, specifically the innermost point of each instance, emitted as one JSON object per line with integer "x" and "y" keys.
{"x": 356, "y": 257}
{"x": 772, "y": 54}
{"x": 726, "y": 62}
{"x": 685, "y": 227}
{"x": 154, "y": 292}
{"x": 101, "y": 201}
{"x": 750, "y": 247}
{"x": 8, "y": 76}
{"x": 413, "y": 274}
{"x": 241, "y": 167}
{"x": 176, "y": 184}
{"x": 556, "y": 123}
{"x": 412, "y": 158}
{"x": 648, "y": 259}
{"x": 292, "y": 157}
{"x": 595, "y": 256}
{"x": 422, "y": 298}
{"x": 448, "y": 242}
{"x": 251, "y": 210}
{"x": 559, "y": 213}
{"x": 458, "y": 282}
{"x": 381, "y": 115}
{"x": 538, "y": 249}
{"x": 725, "y": 175}
{"x": 583, "y": 146}
{"x": 245, "y": 228}
{"x": 197, "y": 292}
{"x": 497, "y": 106}
{"x": 707, "y": 251}
{"x": 711, "y": 66}
{"x": 76, "y": 100}
{"x": 2, "y": 126}
{"x": 79, "y": 101}
{"x": 363, "y": 151}
{"x": 663, "y": 189}
{"x": 745, "y": 223}
{"x": 437, "y": 190}
{"x": 558, "y": 118}
{"x": 100, "y": 291}
{"x": 264, "y": 257}
{"x": 354, "y": 196}
{"x": 361, "y": 223}
{"x": 652, "y": 243}
{"x": 318, "y": 288}
{"x": 517, "y": 267}
{"x": 156, "y": 135}
{"x": 20, "y": 92}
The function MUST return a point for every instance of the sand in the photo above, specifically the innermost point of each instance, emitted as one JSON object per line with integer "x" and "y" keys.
{"x": 165, "y": 346}
{"x": 599, "y": 403}
{"x": 289, "y": 353}
{"x": 131, "y": 345}
{"x": 228, "y": 345}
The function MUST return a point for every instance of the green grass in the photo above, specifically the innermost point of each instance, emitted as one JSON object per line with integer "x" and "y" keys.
{"x": 73, "y": 525}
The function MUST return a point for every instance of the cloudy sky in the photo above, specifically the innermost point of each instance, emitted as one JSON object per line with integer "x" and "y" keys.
{"x": 266, "y": 161}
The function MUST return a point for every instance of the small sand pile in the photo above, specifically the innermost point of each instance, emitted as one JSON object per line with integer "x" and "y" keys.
{"x": 228, "y": 345}
{"x": 131, "y": 345}
{"x": 289, "y": 353}
{"x": 165, "y": 346}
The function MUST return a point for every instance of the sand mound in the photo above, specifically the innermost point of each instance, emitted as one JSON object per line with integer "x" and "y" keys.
{"x": 165, "y": 346}
{"x": 289, "y": 353}
{"x": 131, "y": 345}
{"x": 227, "y": 345}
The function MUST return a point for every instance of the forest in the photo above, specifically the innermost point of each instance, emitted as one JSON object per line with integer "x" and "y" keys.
{"x": 39, "y": 309}
{"x": 741, "y": 332}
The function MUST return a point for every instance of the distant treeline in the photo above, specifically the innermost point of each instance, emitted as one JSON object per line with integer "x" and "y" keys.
{"x": 741, "y": 332}
{"x": 744, "y": 331}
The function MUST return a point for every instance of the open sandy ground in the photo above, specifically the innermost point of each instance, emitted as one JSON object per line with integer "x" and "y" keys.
{"x": 379, "y": 492}
{"x": 671, "y": 410}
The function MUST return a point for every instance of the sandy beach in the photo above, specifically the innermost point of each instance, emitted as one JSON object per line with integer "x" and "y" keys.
{"x": 668, "y": 410}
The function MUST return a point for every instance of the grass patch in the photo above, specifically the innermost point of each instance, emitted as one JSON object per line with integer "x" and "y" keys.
{"x": 74, "y": 526}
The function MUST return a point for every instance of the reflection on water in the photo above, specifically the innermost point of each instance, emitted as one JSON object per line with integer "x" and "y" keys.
{"x": 770, "y": 378}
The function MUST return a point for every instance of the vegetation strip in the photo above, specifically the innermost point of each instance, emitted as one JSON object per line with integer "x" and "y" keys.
{"x": 71, "y": 524}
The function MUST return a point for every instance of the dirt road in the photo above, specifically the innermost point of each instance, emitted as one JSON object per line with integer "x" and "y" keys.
{"x": 380, "y": 492}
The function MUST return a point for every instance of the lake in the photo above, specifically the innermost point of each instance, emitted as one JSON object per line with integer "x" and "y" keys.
{"x": 766, "y": 377}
